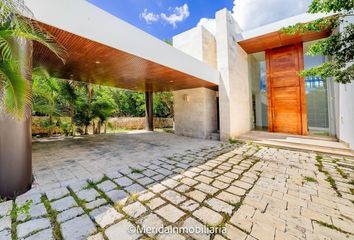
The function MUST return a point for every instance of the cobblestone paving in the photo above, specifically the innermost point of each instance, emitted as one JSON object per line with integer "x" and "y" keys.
{"x": 58, "y": 163}
{"x": 243, "y": 190}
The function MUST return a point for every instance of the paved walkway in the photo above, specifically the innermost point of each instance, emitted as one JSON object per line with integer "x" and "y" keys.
{"x": 240, "y": 191}
{"x": 61, "y": 162}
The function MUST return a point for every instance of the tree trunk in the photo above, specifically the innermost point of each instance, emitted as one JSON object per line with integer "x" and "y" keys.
{"x": 99, "y": 127}
{"x": 86, "y": 129}
{"x": 105, "y": 128}
{"x": 50, "y": 132}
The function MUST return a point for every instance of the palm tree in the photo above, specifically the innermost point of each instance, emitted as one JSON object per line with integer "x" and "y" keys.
{"x": 46, "y": 91}
{"x": 68, "y": 99}
{"x": 15, "y": 32}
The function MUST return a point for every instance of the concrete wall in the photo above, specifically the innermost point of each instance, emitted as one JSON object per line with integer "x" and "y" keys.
{"x": 234, "y": 87}
{"x": 199, "y": 43}
{"x": 345, "y": 113}
{"x": 195, "y": 112}
{"x": 344, "y": 106}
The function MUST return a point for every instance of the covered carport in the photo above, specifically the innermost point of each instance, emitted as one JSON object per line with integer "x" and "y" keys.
{"x": 101, "y": 49}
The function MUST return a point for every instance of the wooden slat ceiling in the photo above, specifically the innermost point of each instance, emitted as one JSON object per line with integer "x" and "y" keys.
{"x": 278, "y": 39}
{"x": 93, "y": 62}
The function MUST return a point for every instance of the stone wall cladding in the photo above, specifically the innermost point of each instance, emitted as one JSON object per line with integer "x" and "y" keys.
{"x": 195, "y": 117}
{"x": 130, "y": 123}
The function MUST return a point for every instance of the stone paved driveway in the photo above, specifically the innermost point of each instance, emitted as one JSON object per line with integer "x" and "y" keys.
{"x": 240, "y": 191}
{"x": 59, "y": 163}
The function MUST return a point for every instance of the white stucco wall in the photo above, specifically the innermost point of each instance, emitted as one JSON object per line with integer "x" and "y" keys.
{"x": 346, "y": 114}
{"x": 199, "y": 43}
{"x": 234, "y": 87}
{"x": 344, "y": 94}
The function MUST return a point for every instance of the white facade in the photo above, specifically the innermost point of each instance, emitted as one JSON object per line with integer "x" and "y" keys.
{"x": 218, "y": 59}
{"x": 344, "y": 95}
{"x": 238, "y": 71}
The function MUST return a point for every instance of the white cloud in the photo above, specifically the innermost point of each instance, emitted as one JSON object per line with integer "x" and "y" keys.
{"x": 254, "y": 13}
{"x": 179, "y": 14}
{"x": 149, "y": 17}
{"x": 208, "y": 23}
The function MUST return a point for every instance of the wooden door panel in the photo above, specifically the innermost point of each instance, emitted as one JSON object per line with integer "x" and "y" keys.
{"x": 286, "y": 80}
{"x": 286, "y": 111}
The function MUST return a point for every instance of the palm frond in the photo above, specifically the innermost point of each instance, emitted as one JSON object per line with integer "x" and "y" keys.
{"x": 16, "y": 90}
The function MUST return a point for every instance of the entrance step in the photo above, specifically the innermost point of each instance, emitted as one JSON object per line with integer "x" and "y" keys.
{"x": 215, "y": 136}
{"x": 309, "y": 143}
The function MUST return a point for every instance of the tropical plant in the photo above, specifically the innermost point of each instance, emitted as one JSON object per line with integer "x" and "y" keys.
{"x": 83, "y": 114}
{"x": 46, "y": 91}
{"x": 339, "y": 46}
{"x": 103, "y": 106}
{"x": 16, "y": 33}
{"x": 67, "y": 100}
{"x": 163, "y": 104}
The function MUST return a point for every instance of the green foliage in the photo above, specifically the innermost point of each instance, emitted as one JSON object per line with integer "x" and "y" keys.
{"x": 25, "y": 209}
{"x": 129, "y": 104}
{"x": 103, "y": 104}
{"x": 327, "y": 6}
{"x": 163, "y": 104}
{"x": 339, "y": 46}
{"x": 15, "y": 33}
{"x": 88, "y": 104}
{"x": 310, "y": 179}
{"x": 168, "y": 41}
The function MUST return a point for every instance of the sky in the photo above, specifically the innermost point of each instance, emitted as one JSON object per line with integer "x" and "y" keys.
{"x": 166, "y": 18}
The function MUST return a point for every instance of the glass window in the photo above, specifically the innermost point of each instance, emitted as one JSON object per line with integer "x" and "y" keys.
{"x": 259, "y": 91}
{"x": 316, "y": 97}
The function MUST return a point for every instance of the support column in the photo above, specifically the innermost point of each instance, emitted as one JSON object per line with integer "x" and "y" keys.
{"x": 16, "y": 141}
{"x": 149, "y": 111}
{"x": 235, "y": 97}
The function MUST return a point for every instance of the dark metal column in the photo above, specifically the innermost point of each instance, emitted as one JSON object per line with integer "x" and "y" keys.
{"x": 149, "y": 111}
{"x": 16, "y": 141}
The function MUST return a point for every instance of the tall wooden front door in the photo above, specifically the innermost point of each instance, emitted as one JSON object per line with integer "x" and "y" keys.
{"x": 286, "y": 90}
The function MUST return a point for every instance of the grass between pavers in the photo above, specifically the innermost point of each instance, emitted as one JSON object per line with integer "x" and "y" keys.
{"x": 136, "y": 170}
{"x": 331, "y": 226}
{"x": 52, "y": 214}
{"x": 116, "y": 205}
{"x": 351, "y": 182}
{"x": 13, "y": 216}
{"x": 15, "y": 211}
{"x": 239, "y": 204}
{"x": 310, "y": 179}
{"x": 81, "y": 204}
{"x": 341, "y": 172}
{"x": 329, "y": 178}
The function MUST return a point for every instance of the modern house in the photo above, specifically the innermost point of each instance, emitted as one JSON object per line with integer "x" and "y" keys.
{"x": 229, "y": 82}
{"x": 259, "y": 85}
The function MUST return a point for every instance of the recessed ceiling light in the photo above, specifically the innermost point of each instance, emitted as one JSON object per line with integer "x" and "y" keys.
{"x": 98, "y": 62}
{"x": 171, "y": 81}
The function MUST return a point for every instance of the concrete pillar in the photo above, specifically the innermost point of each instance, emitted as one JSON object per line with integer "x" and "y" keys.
{"x": 149, "y": 111}
{"x": 234, "y": 87}
{"x": 16, "y": 141}
{"x": 195, "y": 112}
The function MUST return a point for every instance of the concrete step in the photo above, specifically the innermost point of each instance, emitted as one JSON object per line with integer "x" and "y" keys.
{"x": 308, "y": 147}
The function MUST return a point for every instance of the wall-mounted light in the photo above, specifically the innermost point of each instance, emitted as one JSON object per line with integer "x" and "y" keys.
{"x": 186, "y": 97}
